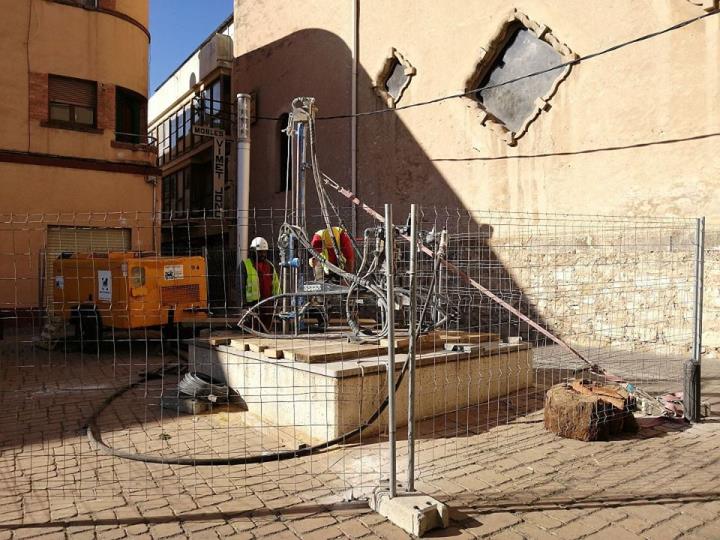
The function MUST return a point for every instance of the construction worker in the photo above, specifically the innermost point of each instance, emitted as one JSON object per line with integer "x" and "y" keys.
{"x": 259, "y": 280}
{"x": 324, "y": 244}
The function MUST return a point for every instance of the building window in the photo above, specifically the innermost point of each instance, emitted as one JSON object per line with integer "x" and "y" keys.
{"x": 393, "y": 78}
{"x": 130, "y": 116}
{"x": 283, "y": 140}
{"x": 73, "y": 102}
{"x": 215, "y": 104}
{"x": 522, "y": 47}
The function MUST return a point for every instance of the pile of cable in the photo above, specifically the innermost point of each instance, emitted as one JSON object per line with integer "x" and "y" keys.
{"x": 200, "y": 386}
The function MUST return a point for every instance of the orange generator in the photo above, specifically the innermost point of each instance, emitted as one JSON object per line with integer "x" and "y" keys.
{"x": 128, "y": 290}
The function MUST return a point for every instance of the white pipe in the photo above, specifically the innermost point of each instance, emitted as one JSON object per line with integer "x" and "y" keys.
{"x": 243, "y": 176}
{"x": 353, "y": 105}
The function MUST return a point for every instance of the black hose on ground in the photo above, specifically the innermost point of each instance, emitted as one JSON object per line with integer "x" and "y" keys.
{"x": 95, "y": 436}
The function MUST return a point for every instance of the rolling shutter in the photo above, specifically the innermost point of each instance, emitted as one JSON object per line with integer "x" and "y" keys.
{"x": 80, "y": 240}
{"x": 72, "y": 91}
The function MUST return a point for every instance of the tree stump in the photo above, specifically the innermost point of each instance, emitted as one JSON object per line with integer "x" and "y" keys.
{"x": 588, "y": 411}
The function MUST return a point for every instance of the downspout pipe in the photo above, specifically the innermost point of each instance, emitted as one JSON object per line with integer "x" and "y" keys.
{"x": 243, "y": 179}
{"x": 354, "y": 109}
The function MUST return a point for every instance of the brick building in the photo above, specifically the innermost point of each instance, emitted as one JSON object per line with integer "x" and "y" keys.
{"x": 77, "y": 170}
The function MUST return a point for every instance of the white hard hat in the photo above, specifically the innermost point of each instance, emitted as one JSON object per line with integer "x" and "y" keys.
{"x": 259, "y": 244}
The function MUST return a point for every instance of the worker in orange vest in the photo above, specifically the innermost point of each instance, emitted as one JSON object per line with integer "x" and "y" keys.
{"x": 324, "y": 244}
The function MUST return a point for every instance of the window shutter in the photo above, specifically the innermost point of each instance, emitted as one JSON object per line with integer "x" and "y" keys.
{"x": 72, "y": 91}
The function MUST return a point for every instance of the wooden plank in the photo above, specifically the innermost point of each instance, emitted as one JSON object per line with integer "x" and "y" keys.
{"x": 605, "y": 394}
{"x": 337, "y": 321}
{"x": 332, "y": 353}
{"x": 275, "y": 352}
{"x": 469, "y": 337}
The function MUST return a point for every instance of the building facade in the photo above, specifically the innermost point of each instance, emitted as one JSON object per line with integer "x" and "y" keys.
{"x": 76, "y": 165}
{"x": 191, "y": 105}
{"x": 633, "y": 132}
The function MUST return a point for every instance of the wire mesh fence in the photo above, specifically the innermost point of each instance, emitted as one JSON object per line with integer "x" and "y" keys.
{"x": 135, "y": 359}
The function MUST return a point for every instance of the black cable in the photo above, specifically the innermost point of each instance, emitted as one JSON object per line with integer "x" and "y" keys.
{"x": 95, "y": 437}
{"x": 569, "y": 63}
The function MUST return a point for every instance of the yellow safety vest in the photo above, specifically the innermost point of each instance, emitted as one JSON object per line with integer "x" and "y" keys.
{"x": 328, "y": 244}
{"x": 252, "y": 285}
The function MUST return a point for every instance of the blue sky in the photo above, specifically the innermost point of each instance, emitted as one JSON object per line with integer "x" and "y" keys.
{"x": 177, "y": 28}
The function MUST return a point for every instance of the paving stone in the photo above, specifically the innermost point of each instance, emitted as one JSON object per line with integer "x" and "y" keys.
{"x": 53, "y": 533}
{"x": 684, "y": 521}
{"x": 662, "y": 532}
{"x": 354, "y": 528}
{"x": 134, "y": 530}
{"x": 166, "y": 530}
{"x": 492, "y": 523}
{"x": 302, "y": 526}
{"x": 326, "y": 533}
{"x": 390, "y": 531}
{"x": 270, "y": 529}
{"x": 613, "y": 532}
{"x": 114, "y": 533}
{"x": 542, "y": 520}
{"x": 581, "y": 527}
{"x": 710, "y": 531}
{"x": 528, "y": 530}
{"x": 194, "y": 527}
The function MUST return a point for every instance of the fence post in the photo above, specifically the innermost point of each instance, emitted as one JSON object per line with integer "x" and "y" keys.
{"x": 412, "y": 334}
{"x": 691, "y": 396}
{"x": 389, "y": 259}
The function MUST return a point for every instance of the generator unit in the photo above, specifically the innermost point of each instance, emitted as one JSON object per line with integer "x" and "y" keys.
{"x": 128, "y": 290}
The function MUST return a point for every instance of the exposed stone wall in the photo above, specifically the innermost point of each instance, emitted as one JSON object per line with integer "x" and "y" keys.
{"x": 605, "y": 291}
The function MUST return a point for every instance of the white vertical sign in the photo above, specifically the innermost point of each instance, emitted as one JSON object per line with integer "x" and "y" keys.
{"x": 219, "y": 176}
{"x": 104, "y": 286}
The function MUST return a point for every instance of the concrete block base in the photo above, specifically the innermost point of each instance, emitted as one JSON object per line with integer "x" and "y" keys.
{"x": 413, "y": 512}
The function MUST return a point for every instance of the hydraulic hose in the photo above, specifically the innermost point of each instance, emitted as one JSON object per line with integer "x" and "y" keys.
{"x": 95, "y": 436}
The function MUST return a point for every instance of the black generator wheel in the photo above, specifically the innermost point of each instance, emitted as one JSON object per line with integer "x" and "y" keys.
{"x": 88, "y": 328}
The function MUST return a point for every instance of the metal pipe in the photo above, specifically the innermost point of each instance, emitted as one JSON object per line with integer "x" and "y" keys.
{"x": 302, "y": 167}
{"x": 699, "y": 288}
{"x": 389, "y": 250}
{"x": 353, "y": 109}
{"x": 692, "y": 391}
{"x": 243, "y": 176}
{"x": 412, "y": 334}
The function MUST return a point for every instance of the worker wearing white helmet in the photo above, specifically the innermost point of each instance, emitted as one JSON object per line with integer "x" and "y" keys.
{"x": 259, "y": 280}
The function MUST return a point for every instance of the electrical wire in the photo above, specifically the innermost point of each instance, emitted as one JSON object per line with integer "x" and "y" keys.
{"x": 560, "y": 66}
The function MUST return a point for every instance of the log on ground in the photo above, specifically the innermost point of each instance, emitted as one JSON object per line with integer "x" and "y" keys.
{"x": 588, "y": 411}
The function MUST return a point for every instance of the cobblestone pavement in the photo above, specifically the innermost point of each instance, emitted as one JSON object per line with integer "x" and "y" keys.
{"x": 501, "y": 473}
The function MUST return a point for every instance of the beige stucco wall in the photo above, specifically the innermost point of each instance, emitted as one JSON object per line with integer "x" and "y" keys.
{"x": 632, "y": 132}
{"x": 582, "y": 155}
{"x": 69, "y": 41}
{"x": 49, "y": 196}
{"x": 287, "y": 50}
{"x": 56, "y": 189}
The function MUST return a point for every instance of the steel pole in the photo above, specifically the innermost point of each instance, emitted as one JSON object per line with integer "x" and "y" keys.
{"x": 692, "y": 395}
{"x": 389, "y": 250}
{"x": 699, "y": 288}
{"x": 242, "y": 202}
{"x": 412, "y": 334}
